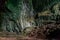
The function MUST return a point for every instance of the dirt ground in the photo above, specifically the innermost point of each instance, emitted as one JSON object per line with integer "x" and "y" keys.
{"x": 14, "y": 38}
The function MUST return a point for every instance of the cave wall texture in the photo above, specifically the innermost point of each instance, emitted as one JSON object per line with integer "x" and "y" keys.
{"x": 14, "y": 13}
